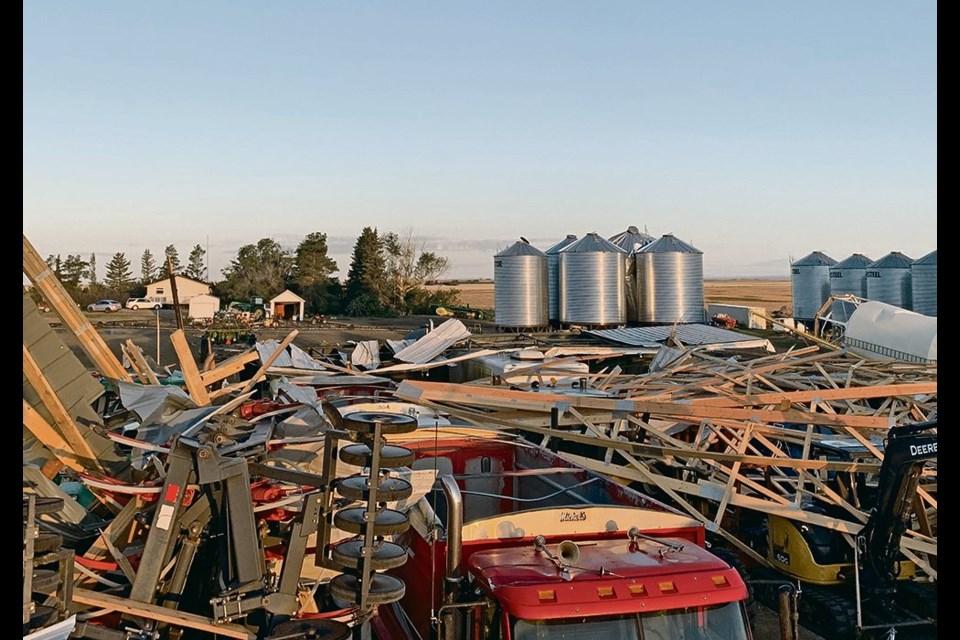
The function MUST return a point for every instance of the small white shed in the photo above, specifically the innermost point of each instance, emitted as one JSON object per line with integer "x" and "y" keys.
{"x": 203, "y": 307}
{"x": 286, "y": 306}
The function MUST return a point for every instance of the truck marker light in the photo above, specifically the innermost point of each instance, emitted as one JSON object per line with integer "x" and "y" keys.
{"x": 547, "y": 594}
{"x": 606, "y": 592}
{"x": 720, "y": 581}
{"x": 637, "y": 590}
{"x": 667, "y": 587}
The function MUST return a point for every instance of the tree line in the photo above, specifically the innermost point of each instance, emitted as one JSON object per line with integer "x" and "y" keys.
{"x": 387, "y": 275}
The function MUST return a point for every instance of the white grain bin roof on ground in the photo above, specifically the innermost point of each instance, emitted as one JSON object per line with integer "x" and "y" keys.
{"x": 434, "y": 343}
{"x": 882, "y": 331}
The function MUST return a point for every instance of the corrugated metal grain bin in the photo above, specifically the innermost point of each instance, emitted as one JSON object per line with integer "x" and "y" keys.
{"x": 631, "y": 241}
{"x": 670, "y": 282}
{"x": 889, "y": 280}
{"x": 592, "y": 282}
{"x": 553, "y": 277}
{"x": 924, "y": 285}
{"x": 520, "y": 286}
{"x": 810, "y": 284}
{"x": 848, "y": 276}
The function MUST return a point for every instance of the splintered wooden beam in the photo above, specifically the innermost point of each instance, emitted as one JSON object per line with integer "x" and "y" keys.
{"x": 49, "y": 437}
{"x": 135, "y": 354}
{"x": 417, "y": 390}
{"x": 160, "y": 614}
{"x": 229, "y": 367}
{"x": 63, "y": 421}
{"x": 269, "y": 361}
{"x": 845, "y": 393}
{"x": 188, "y": 366}
{"x": 53, "y": 292}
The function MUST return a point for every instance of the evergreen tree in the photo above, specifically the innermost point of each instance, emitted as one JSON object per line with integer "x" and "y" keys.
{"x": 56, "y": 265}
{"x": 92, "y": 270}
{"x": 119, "y": 277}
{"x": 366, "y": 278}
{"x": 174, "y": 256}
{"x": 148, "y": 267}
{"x": 311, "y": 273}
{"x": 72, "y": 271}
{"x": 196, "y": 267}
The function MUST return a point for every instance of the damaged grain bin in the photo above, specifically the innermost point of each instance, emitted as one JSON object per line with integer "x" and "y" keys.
{"x": 553, "y": 278}
{"x": 592, "y": 282}
{"x": 923, "y": 274}
{"x": 520, "y": 286}
{"x": 810, "y": 285}
{"x": 849, "y": 276}
{"x": 670, "y": 282}
{"x": 631, "y": 241}
{"x": 889, "y": 281}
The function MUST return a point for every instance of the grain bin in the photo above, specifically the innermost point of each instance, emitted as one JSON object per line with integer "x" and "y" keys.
{"x": 848, "y": 276}
{"x": 670, "y": 282}
{"x": 631, "y": 241}
{"x": 592, "y": 282}
{"x": 923, "y": 275}
{"x": 520, "y": 286}
{"x": 553, "y": 277}
{"x": 810, "y": 284}
{"x": 888, "y": 280}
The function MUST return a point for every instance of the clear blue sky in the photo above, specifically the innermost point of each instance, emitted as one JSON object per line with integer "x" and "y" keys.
{"x": 754, "y": 130}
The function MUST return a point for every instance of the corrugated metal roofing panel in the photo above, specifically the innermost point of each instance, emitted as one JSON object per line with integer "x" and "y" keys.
{"x": 631, "y": 240}
{"x": 434, "y": 343}
{"x": 688, "y": 334}
{"x": 930, "y": 258}
{"x": 520, "y": 249}
{"x": 856, "y": 261}
{"x": 814, "y": 259}
{"x": 563, "y": 244}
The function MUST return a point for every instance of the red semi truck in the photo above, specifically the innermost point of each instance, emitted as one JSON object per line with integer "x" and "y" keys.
{"x": 516, "y": 543}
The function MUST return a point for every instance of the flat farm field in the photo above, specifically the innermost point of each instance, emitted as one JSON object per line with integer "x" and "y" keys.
{"x": 768, "y": 294}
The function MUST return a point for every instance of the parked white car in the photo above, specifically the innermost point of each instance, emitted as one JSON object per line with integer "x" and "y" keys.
{"x": 141, "y": 303}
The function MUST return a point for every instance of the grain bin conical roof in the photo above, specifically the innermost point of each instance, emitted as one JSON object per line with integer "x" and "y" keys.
{"x": 631, "y": 240}
{"x": 668, "y": 243}
{"x": 893, "y": 260}
{"x": 520, "y": 248}
{"x": 814, "y": 259}
{"x": 930, "y": 258}
{"x": 856, "y": 261}
{"x": 593, "y": 243}
{"x": 563, "y": 244}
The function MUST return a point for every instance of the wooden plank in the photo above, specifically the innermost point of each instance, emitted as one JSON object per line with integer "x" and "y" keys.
{"x": 845, "y": 393}
{"x": 417, "y": 390}
{"x": 61, "y": 419}
{"x": 734, "y": 473}
{"x": 49, "y": 437}
{"x": 53, "y": 292}
{"x": 119, "y": 525}
{"x": 269, "y": 361}
{"x": 136, "y": 356}
{"x": 188, "y": 366}
{"x": 228, "y": 367}
{"x": 161, "y": 614}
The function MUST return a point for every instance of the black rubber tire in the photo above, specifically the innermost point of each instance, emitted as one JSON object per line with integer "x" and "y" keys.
{"x": 47, "y": 542}
{"x": 390, "y": 423}
{"x": 387, "y": 522}
{"x": 45, "y": 581}
{"x": 42, "y": 616}
{"x": 314, "y": 628}
{"x": 390, "y": 456}
{"x": 384, "y": 589}
{"x": 387, "y": 556}
{"x": 388, "y": 490}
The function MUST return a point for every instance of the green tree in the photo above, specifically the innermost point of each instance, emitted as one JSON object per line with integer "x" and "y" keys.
{"x": 261, "y": 269}
{"x": 408, "y": 268}
{"x": 364, "y": 287}
{"x": 119, "y": 277}
{"x": 195, "y": 267}
{"x": 72, "y": 271}
{"x": 92, "y": 270}
{"x": 56, "y": 265}
{"x": 148, "y": 267}
{"x": 312, "y": 271}
{"x": 174, "y": 256}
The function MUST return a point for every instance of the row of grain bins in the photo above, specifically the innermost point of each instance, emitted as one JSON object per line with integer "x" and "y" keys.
{"x": 894, "y": 279}
{"x": 631, "y": 277}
